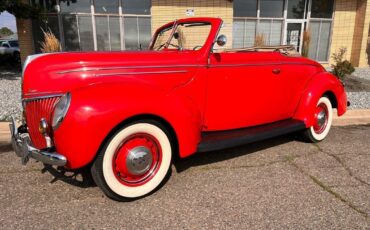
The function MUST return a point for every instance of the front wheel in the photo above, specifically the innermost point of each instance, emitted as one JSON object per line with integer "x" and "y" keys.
{"x": 323, "y": 119}
{"x": 134, "y": 162}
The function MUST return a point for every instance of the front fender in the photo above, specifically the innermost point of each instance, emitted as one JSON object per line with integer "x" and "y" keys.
{"x": 96, "y": 110}
{"x": 321, "y": 84}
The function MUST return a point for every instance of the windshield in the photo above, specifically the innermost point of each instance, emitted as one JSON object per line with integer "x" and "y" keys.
{"x": 187, "y": 36}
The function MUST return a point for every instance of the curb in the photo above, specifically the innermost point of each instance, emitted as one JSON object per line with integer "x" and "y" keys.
{"x": 351, "y": 117}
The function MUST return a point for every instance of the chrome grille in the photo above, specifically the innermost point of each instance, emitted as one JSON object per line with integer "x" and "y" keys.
{"x": 35, "y": 110}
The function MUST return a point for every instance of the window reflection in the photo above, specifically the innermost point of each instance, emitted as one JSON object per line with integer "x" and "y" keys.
{"x": 245, "y": 8}
{"x": 296, "y": 9}
{"x": 106, "y": 6}
{"x": 272, "y": 8}
{"x": 136, "y": 7}
{"x": 75, "y": 6}
{"x": 322, "y": 9}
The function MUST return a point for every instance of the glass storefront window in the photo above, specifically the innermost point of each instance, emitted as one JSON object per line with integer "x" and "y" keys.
{"x": 296, "y": 9}
{"x": 271, "y": 8}
{"x": 86, "y": 33}
{"x": 108, "y": 33}
{"x": 137, "y": 33}
{"x": 136, "y": 7}
{"x": 245, "y": 8}
{"x": 322, "y": 9}
{"x": 271, "y": 30}
{"x": 71, "y": 41}
{"x": 76, "y": 6}
{"x": 115, "y": 33}
{"x": 320, "y": 40}
{"x": 106, "y": 6}
{"x": 145, "y": 34}
{"x": 244, "y": 32}
{"x": 101, "y": 23}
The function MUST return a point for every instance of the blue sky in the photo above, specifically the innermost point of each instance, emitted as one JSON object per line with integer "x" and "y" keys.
{"x": 8, "y": 20}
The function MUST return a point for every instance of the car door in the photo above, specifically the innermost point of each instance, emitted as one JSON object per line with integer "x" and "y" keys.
{"x": 243, "y": 90}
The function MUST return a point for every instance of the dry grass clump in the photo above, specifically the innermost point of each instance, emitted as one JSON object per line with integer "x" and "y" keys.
{"x": 50, "y": 44}
{"x": 306, "y": 43}
{"x": 260, "y": 40}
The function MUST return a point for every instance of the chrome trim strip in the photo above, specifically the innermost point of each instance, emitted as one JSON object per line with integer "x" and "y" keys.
{"x": 242, "y": 65}
{"x": 140, "y": 73}
{"x": 41, "y": 97}
{"x": 85, "y": 69}
{"x": 261, "y": 64}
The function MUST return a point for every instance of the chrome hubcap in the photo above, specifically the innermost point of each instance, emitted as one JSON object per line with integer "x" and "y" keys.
{"x": 321, "y": 119}
{"x": 139, "y": 160}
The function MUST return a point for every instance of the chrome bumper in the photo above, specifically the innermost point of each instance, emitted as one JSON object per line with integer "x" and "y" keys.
{"x": 23, "y": 148}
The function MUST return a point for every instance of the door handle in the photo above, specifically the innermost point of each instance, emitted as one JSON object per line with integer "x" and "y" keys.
{"x": 276, "y": 71}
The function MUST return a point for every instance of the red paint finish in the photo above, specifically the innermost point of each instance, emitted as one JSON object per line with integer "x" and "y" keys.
{"x": 191, "y": 91}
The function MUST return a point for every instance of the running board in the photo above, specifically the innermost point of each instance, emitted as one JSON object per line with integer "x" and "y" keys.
{"x": 212, "y": 141}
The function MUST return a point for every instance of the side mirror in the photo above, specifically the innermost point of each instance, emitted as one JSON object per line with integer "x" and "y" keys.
{"x": 221, "y": 40}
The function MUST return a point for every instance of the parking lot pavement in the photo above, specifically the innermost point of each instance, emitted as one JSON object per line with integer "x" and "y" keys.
{"x": 279, "y": 183}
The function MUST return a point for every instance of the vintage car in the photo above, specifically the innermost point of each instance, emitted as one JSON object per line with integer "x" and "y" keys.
{"x": 127, "y": 115}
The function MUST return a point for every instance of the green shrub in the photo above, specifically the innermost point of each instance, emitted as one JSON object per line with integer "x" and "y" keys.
{"x": 341, "y": 67}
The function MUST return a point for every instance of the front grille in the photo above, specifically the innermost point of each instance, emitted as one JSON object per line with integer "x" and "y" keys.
{"x": 36, "y": 109}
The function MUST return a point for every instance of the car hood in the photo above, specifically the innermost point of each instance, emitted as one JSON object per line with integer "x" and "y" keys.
{"x": 62, "y": 72}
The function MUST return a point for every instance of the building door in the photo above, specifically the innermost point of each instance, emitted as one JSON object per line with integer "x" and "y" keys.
{"x": 294, "y": 34}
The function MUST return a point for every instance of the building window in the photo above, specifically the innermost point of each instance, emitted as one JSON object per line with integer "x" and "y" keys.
{"x": 266, "y": 19}
{"x": 244, "y": 32}
{"x": 322, "y": 9}
{"x": 245, "y": 8}
{"x": 253, "y": 18}
{"x": 320, "y": 40}
{"x": 85, "y": 25}
{"x": 76, "y": 6}
{"x": 106, "y": 6}
{"x": 296, "y": 9}
{"x": 108, "y": 34}
{"x": 272, "y": 8}
{"x": 141, "y": 7}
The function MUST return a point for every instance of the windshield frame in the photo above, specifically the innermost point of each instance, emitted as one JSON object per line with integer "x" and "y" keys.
{"x": 215, "y": 24}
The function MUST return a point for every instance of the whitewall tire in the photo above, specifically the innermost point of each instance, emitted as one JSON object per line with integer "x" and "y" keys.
{"x": 135, "y": 161}
{"x": 323, "y": 120}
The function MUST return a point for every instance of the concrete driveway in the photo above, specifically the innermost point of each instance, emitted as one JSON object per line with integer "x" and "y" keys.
{"x": 280, "y": 183}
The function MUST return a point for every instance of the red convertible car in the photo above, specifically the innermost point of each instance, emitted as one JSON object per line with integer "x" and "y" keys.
{"x": 126, "y": 115}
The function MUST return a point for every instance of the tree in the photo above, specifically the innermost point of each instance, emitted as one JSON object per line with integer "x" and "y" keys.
{"x": 5, "y": 31}
{"x": 20, "y": 9}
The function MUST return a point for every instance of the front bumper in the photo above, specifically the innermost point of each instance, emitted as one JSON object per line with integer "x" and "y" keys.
{"x": 23, "y": 148}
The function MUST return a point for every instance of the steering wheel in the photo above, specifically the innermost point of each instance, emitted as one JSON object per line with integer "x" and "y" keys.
{"x": 197, "y": 47}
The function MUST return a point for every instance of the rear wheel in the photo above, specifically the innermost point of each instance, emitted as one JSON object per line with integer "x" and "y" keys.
{"x": 323, "y": 119}
{"x": 134, "y": 162}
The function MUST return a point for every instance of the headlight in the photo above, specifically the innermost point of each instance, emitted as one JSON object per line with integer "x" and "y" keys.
{"x": 60, "y": 110}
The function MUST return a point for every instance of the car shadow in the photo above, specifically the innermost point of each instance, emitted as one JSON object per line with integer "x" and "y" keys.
{"x": 200, "y": 159}
{"x": 5, "y": 147}
{"x": 80, "y": 178}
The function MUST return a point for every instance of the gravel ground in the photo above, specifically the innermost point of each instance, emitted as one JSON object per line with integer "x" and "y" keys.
{"x": 10, "y": 94}
{"x": 10, "y": 86}
{"x": 362, "y": 73}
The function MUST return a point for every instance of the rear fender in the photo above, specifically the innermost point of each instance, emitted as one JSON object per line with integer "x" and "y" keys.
{"x": 95, "y": 111}
{"x": 320, "y": 84}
